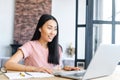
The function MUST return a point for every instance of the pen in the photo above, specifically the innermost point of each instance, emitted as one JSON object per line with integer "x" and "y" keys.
{"x": 28, "y": 73}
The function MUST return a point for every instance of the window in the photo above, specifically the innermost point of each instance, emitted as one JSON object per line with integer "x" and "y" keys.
{"x": 100, "y": 25}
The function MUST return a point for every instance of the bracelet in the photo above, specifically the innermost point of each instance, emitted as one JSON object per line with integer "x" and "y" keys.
{"x": 25, "y": 68}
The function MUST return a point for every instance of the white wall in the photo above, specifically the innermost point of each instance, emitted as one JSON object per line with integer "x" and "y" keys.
{"x": 64, "y": 11}
{"x": 6, "y": 26}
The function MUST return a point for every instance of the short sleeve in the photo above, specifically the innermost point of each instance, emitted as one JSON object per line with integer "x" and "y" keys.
{"x": 26, "y": 49}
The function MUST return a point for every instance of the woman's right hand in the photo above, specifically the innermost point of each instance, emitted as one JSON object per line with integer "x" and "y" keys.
{"x": 42, "y": 69}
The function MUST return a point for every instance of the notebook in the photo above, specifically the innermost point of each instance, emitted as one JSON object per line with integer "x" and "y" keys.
{"x": 27, "y": 75}
{"x": 102, "y": 64}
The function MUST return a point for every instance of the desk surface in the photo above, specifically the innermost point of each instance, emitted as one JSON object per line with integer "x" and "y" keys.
{"x": 114, "y": 76}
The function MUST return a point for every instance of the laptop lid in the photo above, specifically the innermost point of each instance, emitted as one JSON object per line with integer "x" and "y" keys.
{"x": 103, "y": 62}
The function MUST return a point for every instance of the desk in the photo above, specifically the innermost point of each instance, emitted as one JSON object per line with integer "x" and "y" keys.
{"x": 114, "y": 76}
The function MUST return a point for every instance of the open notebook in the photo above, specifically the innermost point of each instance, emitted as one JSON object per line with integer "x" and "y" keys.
{"x": 102, "y": 64}
{"x": 25, "y": 75}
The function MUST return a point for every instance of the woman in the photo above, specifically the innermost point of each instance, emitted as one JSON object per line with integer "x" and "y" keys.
{"x": 42, "y": 53}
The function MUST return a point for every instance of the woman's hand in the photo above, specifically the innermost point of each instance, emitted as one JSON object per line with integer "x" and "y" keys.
{"x": 70, "y": 68}
{"x": 42, "y": 69}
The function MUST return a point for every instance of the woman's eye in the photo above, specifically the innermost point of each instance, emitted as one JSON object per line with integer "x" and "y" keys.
{"x": 49, "y": 28}
{"x": 55, "y": 29}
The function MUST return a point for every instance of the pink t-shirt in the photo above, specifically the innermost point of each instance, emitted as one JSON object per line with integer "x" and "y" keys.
{"x": 36, "y": 55}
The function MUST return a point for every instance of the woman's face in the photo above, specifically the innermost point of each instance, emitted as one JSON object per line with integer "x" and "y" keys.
{"x": 48, "y": 31}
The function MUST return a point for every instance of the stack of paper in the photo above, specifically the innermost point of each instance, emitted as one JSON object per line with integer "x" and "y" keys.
{"x": 25, "y": 75}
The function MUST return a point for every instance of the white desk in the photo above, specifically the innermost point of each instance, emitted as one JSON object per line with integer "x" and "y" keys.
{"x": 114, "y": 76}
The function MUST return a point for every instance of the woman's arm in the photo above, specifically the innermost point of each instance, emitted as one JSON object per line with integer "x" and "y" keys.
{"x": 12, "y": 64}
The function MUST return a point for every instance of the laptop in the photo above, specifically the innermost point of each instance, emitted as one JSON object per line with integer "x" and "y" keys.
{"x": 102, "y": 64}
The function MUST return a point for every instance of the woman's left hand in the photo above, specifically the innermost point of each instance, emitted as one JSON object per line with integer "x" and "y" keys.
{"x": 71, "y": 68}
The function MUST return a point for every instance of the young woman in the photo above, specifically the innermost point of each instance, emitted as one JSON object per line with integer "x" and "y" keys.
{"x": 42, "y": 53}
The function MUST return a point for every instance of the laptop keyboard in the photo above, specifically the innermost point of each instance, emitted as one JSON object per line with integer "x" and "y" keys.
{"x": 78, "y": 74}
{"x": 71, "y": 73}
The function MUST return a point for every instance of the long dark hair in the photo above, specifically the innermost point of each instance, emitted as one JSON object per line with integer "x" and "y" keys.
{"x": 53, "y": 56}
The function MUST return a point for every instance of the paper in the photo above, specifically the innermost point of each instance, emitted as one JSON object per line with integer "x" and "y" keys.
{"x": 40, "y": 74}
{"x": 25, "y": 75}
